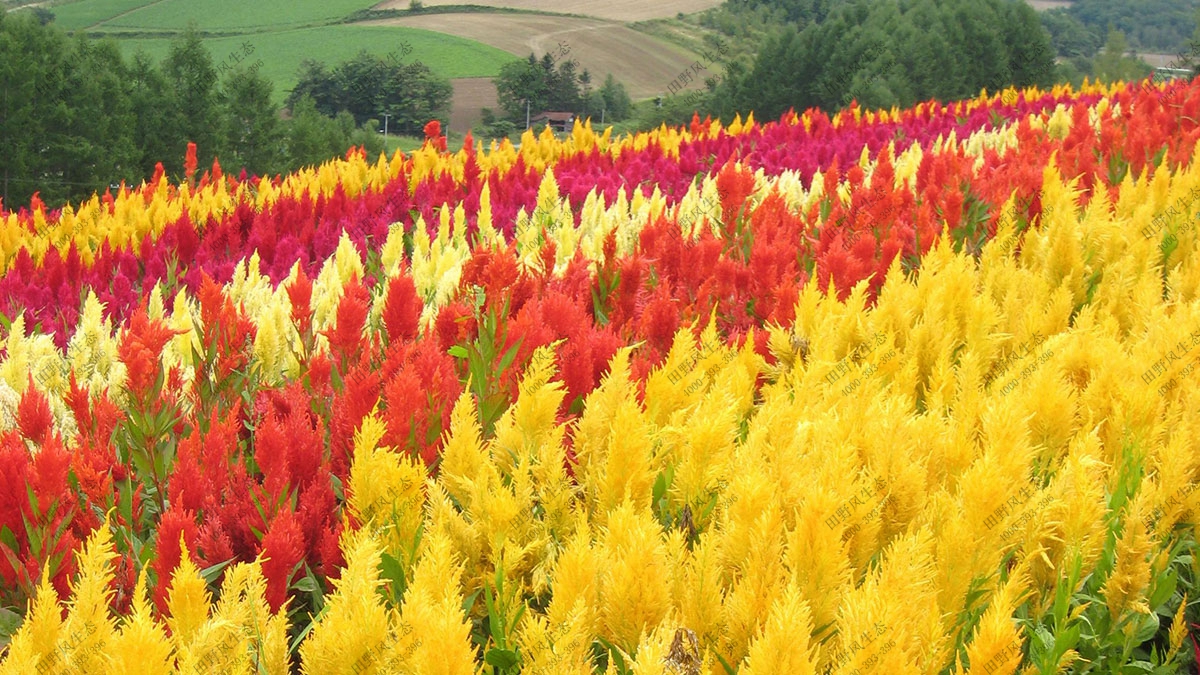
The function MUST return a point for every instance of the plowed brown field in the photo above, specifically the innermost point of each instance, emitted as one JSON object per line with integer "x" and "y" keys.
{"x": 616, "y": 10}
{"x": 599, "y": 40}
{"x": 643, "y": 63}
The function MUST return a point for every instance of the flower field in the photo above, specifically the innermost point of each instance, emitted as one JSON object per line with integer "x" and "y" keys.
{"x": 904, "y": 391}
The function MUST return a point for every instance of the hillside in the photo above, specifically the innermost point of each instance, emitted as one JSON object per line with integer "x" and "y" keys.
{"x": 469, "y": 47}
{"x": 282, "y": 51}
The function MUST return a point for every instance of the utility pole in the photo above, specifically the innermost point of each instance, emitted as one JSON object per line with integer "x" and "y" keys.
{"x": 385, "y": 127}
{"x": 527, "y": 114}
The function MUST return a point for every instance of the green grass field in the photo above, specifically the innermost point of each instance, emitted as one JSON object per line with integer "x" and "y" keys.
{"x": 279, "y": 33}
{"x": 237, "y": 15}
{"x": 282, "y": 52}
{"x": 209, "y": 15}
{"x": 90, "y": 12}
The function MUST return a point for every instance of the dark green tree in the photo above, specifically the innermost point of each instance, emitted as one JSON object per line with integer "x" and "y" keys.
{"x": 585, "y": 93}
{"x": 250, "y": 123}
{"x": 1190, "y": 57}
{"x": 978, "y": 41}
{"x": 99, "y": 117}
{"x": 564, "y": 91}
{"x": 363, "y": 136}
{"x": 317, "y": 83}
{"x": 787, "y": 74}
{"x": 360, "y": 84}
{"x": 413, "y": 95}
{"x": 1149, "y": 25}
{"x": 368, "y": 87}
{"x": 521, "y": 87}
{"x": 927, "y": 66}
{"x": 801, "y": 12}
{"x": 192, "y": 81}
{"x": 1030, "y": 52}
{"x": 312, "y": 137}
{"x": 885, "y": 54}
{"x": 492, "y": 127}
{"x": 537, "y": 85}
{"x": 615, "y": 99}
{"x": 1112, "y": 63}
{"x": 154, "y": 124}
{"x": 1069, "y": 36}
{"x": 35, "y": 133}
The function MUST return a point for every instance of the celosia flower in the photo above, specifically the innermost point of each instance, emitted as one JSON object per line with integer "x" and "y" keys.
{"x": 282, "y": 549}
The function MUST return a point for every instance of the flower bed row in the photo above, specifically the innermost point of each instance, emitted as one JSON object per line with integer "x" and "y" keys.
{"x": 772, "y": 415}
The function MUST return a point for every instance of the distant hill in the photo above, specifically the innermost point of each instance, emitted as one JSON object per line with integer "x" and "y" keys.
{"x": 1163, "y": 26}
{"x": 466, "y": 43}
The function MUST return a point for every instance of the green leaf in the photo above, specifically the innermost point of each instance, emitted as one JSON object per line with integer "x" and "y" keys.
{"x": 469, "y": 601}
{"x": 490, "y": 604}
{"x": 393, "y": 571}
{"x": 508, "y": 357}
{"x": 1163, "y": 588}
{"x": 660, "y": 486}
{"x": 1045, "y": 639}
{"x": 458, "y": 352}
{"x": 708, "y": 508}
{"x": 502, "y": 658}
{"x": 615, "y": 655}
{"x": 141, "y": 551}
{"x": 307, "y": 585}
{"x": 1170, "y": 242}
{"x": 8, "y": 538}
{"x": 729, "y": 670}
{"x": 1147, "y": 630}
{"x": 1066, "y": 641}
{"x": 10, "y": 621}
{"x": 210, "y": 573}
{"x": 1158, "y": 156}
{"x": 304, "y": 633}
{"x": 318, "y": 592}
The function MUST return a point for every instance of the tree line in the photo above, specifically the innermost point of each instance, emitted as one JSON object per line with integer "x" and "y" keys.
{"x": 531, "y": 86}
{"x": 881, "y": 54}
{"x": 77, "y": 117}
{"x": 368, "y": 87}
{"x": 824, "y": 53}
{"x": 1162, "y": 26}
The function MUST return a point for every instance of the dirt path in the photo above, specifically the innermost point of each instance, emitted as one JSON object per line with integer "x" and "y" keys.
{"x": 126, "y": 13}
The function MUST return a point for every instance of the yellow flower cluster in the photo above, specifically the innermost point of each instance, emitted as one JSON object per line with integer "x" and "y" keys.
{"x": 237, "y": 634}
{"x": 788, "y": 526}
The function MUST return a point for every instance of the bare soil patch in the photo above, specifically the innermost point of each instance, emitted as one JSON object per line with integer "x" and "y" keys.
{"x": 1161, "y": 60}
{"x": 471, "y": 96}
{"x": 643, "y": 63}
{"x": 615, "y": 10}
{"x": 1043, "y": 5}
